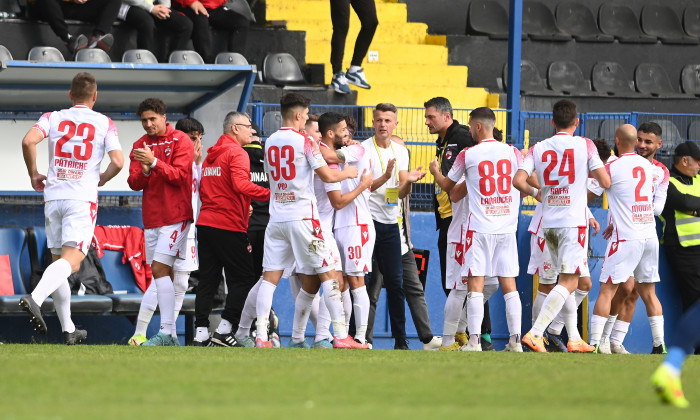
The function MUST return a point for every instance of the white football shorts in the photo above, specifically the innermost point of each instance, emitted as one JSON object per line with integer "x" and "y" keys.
{"x": 568, "y": 248}
{"x": 490, "y": 255}
{"x": 624, "y": 259}
{"x": 297, "y": 241}
{"x": 70, "y": 223}
{"x": 356, "y": 244}
{"x": 541, "y": 261}
{"x": 166, "y": 244}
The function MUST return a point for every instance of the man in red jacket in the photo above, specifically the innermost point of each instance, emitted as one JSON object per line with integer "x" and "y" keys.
{"x": 215, "y": 13}
{"x": 161, "y": 166}
{"x": 222, "y": 226}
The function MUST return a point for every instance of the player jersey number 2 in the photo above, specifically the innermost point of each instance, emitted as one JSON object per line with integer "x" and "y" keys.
{"x": 495, "y": 178}
{"x": 80, "y": 151}
{"x": 638, "y": 172}
{"x": 281, "y": 161}
{"x": 566, "y": 168}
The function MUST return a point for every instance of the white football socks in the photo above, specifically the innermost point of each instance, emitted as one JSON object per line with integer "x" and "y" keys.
{"x": 180, "y": 285}
{"x": 323, "y": 323}
{"x": 550, "y": 308}
{"x": 262, "y": 308}
{"x": 619, "y": 332}
{"x": 302, "y": 309}
{"x": 537, "y": 305}
{"x": 514, "y": 311}
{"x": 202, "y": 334}
{"x": 608, "y": 327}
{"x": 475, "y": 312}
{"x": 331, "y": 295}
{"x": 597, "y": 327}
{"x": 354, "y": 69}
{"x": 248, "y": 313}
{"x": 453, "y": 312}
{"x": 54, "y": 276}
{"x": 360, "y": 305}
{"x": 149, "y": 303}
{"x": 462, "y": 325}
{"x": 347, "y": 306}
{"x": 657, "y": 329}
{"x": 61, "y": 302}
{"x": 166, "y": 302}
{"x": 224, "y": 327}
{"x": 579, "y": 295}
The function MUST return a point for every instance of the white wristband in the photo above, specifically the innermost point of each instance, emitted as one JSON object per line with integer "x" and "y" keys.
{"x": 535, "y": 191}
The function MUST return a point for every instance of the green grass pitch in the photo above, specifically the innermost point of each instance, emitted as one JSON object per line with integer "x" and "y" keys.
{"x": 120, "y": 382}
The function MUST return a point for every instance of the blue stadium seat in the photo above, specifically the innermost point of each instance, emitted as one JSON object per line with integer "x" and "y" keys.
{"x": 691, "y": 21}
{"x": 45, "y": 54}
{"x": 621, "y": 22}
{"x": 539, "y": 23}
{"x": 281, "y": 69}
{"x": 580, "y": 22}
{"x": 127, "y": 295}
{"x": 185, "y": 57}
{"x": 662, "y": 22}
{"x": 139, "y": 57}
{"x": 12, "y": 243}
{"x": 567, "y": 77}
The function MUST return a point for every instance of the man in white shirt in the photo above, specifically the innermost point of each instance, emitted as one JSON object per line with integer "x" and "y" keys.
{"x": 392, "y": 182}
{"x": 562, "y": 164}
{"x": 78, "y": 140}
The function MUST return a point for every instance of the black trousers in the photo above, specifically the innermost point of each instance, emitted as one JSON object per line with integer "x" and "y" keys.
{"x": 178, "y": 26}
{"x": 222, "y": 18}
{"x": 685, "y": 267}
{"x": 257, "y": 241}
{"x": 231, "y": 251}
{"x": 340, "y": 17}
{"x": 55, "y": 12}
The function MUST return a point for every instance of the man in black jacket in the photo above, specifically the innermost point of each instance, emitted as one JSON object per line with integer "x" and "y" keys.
{"x": 260, "y": 215}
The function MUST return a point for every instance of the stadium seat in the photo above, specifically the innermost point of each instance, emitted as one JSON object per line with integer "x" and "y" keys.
{"x": 272, "y": 121}
{"x": 530, "y": 80}
{"x": 567, "y": 77}
{"x": 92, "y": 55}
{"x": 127, "y": 295}
{"x": 539, "y": 23}
{"x": 488, "y": 17}
{"x": 139, "y": 57}
{"x": 608, "y": 127}
{"x": 580, "y": 22}
{"x": 45, "y": 55}
{"x": 690, "y": 79}
{"x": 12, "y": 243}
{"x": 694, "y": 130}
{"x": 621, "y": 22}
{"x": 652, "y": 79}
{"x": 185, "y": 57}
{"x": 281, "y": 69}
{"x": 539, "y": 128}
{"x": 609, "y": 77}
{"x": 691, "y": 21}
{"x": 670, "y": 135}
{"x": 5, "y": 54}
{"x": 230, "y": 58}
{"x": 662, "y": 22}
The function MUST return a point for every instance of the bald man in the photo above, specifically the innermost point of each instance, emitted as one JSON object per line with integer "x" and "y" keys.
{"x": 633, "y": 248}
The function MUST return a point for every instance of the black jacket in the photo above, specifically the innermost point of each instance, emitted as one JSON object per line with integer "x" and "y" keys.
{"x": 261, "y": 209}
{"x": 456, "y": 138}
{"x": 675, "y": 200}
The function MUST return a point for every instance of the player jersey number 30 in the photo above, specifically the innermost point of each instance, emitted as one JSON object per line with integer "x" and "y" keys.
{"x": 82, "y": 151}
{"x": 281, "y": 162}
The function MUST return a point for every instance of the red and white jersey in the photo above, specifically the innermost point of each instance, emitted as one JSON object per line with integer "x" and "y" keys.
{"x": 196, "y": 177}
{"x": 357, "y": 212}
{"x": 660, "y": 182}
{"x": 321, "y": 189}
{"x": 562, "y": 163}
{"x": 460, "y": 210}
{"x": 78, "y": 140}
{"x": 536, "y": 221}
{"x": 594, "y": 185}
{"x": 290, "y": 162}
{"x": 494, "y": 203}
{"x": 631, "y": 197}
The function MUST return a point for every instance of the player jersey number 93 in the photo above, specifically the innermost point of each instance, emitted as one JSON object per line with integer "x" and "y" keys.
{"x": 281, "y": 162}
{"x": 81, "y": 151}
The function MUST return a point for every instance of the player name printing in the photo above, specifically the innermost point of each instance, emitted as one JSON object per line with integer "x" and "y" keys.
{"x": 66, "y": 163}
{"x": 212, "y": 171}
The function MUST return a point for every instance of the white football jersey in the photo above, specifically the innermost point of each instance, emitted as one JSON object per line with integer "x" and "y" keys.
{"x": 631, "y": 197}
{"x": 536, "y": 221}
{"x": 357, "y": 212}
{"x": 660, "y": 182}
{"x": 494, "y": 204}
{"x": 562, "y": 164}
{"x": 594, "y": 185}
{"x": 379, "y": 157}
{"x": 78, "y": 140}
{"x": 321, "y": 189}
{"x": 290, "y": 162}
{"x": 460, "y": 210}
{"x": 196, "y": 177}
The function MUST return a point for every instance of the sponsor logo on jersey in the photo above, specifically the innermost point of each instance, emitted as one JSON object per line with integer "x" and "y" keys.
{"x": 448, "y": 154}
{"x": 167, "y": 151}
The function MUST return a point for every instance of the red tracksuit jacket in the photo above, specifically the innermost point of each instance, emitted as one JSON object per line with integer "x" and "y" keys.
{"x": 129, "y": 240}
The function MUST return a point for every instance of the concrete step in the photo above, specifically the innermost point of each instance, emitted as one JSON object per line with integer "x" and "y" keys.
{"x": 289, "y": 10}
{"x": 424, "y": 75}
{"x": 415, "y": 96}
{"x": 320, "y": 52}
{"x": 387, "y": 32}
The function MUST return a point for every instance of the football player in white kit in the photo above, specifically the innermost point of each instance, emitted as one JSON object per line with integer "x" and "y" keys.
{"x": 490, "y": 247}
{"x": 181, "y": 268}
{"x": 633, "y": 249}
{"x": 294, "y": 234}
{"x": 562, "y": 164}
{"x": 78, "y": 140}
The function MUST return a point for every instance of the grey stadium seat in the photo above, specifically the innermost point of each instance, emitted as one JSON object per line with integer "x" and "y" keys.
{"x": 662, "y": 22}
{"x": 530, "y": 79}
{"x": 539, "y": 23}
{"x": 139, "y": 57}
{"x": 608, "y": 127}
{"x": 691, "y": 21}
{"x": 567, "y": 77}
{"x": 621, "y": 22}
{"x": 652, "y": 79}
{"x": 281, "y": 69}
{"x": 5, "y": 54}
{"x": 609, "y": 77}
{"x": 185, "y": 57}
{"x": 487, "y": 17}
{"x": 92, "y": 55}
{"x": 580, "y": 22}
{"x": 694, "y": 130}
{"x": 272, "y": 121}
{"x": 690, "y": 79}
{"x": 230, "y": 58}
{"x": 669, "y": 134}
{"x": 45, "y": 54}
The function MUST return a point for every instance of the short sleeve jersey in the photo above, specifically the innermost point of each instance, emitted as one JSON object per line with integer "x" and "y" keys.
{"x": 631, "y": 197}
{"x": 357, "y": 212}
{"x": 290, "y": 162}
{"x": 321, "y": 189}
{"x": 536, "y": 221}
{"x": 196, "y": 177}
{"x": 494, "y": 203}
{"x": 660, "y": 182}
{"x": 379, "y": 157}
{"x": 562, "y": 164}
{"x": 78, "y": 140}
{"x": 460, "y": 210}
